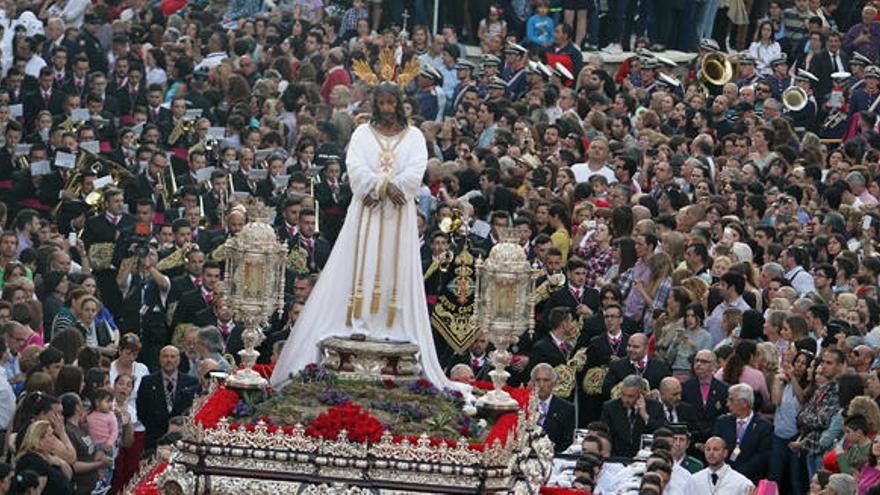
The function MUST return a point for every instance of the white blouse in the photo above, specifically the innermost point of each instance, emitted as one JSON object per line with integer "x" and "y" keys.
{"x": 763, "y": 55}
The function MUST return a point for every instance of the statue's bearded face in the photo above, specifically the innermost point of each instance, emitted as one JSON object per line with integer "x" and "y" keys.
{"x": 386, "y": 106}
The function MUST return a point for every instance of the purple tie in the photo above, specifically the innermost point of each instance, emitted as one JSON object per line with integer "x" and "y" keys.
{"x": 740, "y": 426}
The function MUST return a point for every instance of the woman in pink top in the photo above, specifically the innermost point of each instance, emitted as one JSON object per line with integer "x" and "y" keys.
{"x": 742, "y": 368}
{"x": 870, "y": 475}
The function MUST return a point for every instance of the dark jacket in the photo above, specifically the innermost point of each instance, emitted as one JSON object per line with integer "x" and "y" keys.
{"x": 706, "y": 413}
{"x": 152, "y": 407}
{"x": 627, "y": 427}
{"x": 754, "y": 449}
{"x": 559, "y": 423}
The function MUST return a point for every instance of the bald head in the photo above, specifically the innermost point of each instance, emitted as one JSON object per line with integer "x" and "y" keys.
{"x": 636, "y": 347}
{"x": 715, "y": 450}
{"x": 169, "y": 359}
{"x": 670, "y": 392}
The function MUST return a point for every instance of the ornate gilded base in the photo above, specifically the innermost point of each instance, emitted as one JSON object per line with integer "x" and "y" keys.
{"x": 371, "y": 360}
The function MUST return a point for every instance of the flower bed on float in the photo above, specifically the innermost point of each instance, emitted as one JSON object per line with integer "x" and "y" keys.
{"x": 364, "y": 409}
{"x": 326, "y": 436}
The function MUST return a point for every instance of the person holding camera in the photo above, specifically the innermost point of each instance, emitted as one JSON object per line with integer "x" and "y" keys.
{"x": 144, "y": 290}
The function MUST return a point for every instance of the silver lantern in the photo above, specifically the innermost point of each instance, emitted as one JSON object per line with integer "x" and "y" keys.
{"x": 254, "y": 287}
{"x": 504, "y": 308}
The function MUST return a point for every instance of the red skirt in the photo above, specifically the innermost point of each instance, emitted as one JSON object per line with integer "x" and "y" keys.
{"x": 127, "y": 463}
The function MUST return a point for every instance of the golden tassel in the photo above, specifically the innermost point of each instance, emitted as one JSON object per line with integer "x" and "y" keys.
{"x": 392, "y": 306}
{"x": 377, "y": 282}
{"x": 359, "y": 291}
{"x": 357, "y": 245}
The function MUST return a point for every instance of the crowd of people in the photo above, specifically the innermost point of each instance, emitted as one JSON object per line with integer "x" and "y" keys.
{"x": 708, "y": 303}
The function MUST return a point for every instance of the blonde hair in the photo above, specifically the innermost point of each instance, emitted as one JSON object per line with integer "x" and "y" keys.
{"x": 696, "y": 286}
{"x": 866, "y": 406}
{"x": 770, "y": 356}
{"x": 847, "y": 300}
{"x": 33, "y": 438}
{"x": 661, "y": 267}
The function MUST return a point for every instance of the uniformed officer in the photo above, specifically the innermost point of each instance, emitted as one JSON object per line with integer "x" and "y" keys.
{"x": 857, "y": 65}
{"x": 431, "y": 99}
{"x": 465, "y": 71}
{"x": 864, "y": 97}
{"x": 836, "y": 109}
{"x": 748, "y": 75}
{"x": 496, "y": 89}
{"x": 648, "y": 73}
{"x": 90, "y": 45}
{"x": 803, "y": 116}
{"x": 490, "y": 66}
{"x": 706, "y": 47}
{"x": 517, "y": 56}
{"x": 779, "y": 80}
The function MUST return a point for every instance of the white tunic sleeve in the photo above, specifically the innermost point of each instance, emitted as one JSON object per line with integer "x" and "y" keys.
{"x": 408, "y": 175}
{"x": 364, "y": 179}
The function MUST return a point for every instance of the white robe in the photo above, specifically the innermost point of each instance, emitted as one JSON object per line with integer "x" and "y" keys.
{"x": 325, "y": 311}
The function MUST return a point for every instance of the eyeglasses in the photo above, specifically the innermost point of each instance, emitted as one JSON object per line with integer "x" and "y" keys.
{"x": 703, "y": 361}
{"x": 611, "y": 317}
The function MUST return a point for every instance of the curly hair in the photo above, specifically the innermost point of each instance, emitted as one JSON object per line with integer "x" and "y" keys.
{"x": 865, "y": 406}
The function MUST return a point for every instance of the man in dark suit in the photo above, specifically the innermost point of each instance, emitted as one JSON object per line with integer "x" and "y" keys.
{"x": 595, "y": 325}
{"x": 156, "y": 113}
{"x": 674, "y": 409}
{"x": 111, "y": 227}
{"x": 706, "y": 394}
{"x": 583, "y": 301}
{"x": 555, "y": 348}
{"x": 44, "y": 97}
{"x": 820, "y": 65}
{"x": 749, "y": 434}
{"x": 603, "y": 349}
{"x": 637, "y": 363}
{"x": 556, "y": 415}
{"x": 77, "y": 81}
{"x": 476, "y": 358}
{"x": 163, "y": 395}
{"x": 631, "y": 416}
{"x": 318, "y": 249}
{"x": 200, "y": 298}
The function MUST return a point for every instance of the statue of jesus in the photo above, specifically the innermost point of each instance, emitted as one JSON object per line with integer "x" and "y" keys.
{"x": 372, "y": 284}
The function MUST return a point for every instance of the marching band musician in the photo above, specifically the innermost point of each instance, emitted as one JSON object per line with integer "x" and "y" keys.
{"x": 857, "y": 66}
{"x": 216, "y": 198}
{"x": 836, "y": 108}
{"x": 491, "y": 68}
{"x": 804, "y": 118}
{"x": 431, "y": 99}
{"x": 748, "y": 75}
{"x": 865, "y": 97}
{"x": 779, "y": 80}
{"x": 516, "y": 61}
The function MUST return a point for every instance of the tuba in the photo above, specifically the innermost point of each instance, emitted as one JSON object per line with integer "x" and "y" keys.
{"x": 794, "y": 98}
{"x": 715, "y": 69}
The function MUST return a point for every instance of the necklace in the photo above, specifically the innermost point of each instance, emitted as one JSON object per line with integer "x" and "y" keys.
{"x": 387, "y": 147}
